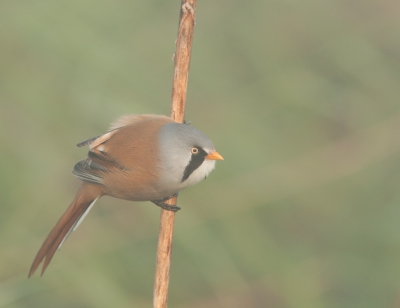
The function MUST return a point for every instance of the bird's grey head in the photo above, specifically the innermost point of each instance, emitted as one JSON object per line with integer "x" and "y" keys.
{"x": 183, "y": 155}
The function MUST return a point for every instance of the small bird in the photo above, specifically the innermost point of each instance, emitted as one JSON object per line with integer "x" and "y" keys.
{"x": 141, "y": 158}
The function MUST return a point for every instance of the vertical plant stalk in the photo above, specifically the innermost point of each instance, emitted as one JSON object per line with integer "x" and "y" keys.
{"x": 183, "y": 50}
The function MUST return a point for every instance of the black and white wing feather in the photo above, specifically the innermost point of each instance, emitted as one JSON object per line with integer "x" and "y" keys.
{"x": 99, "y": 162}
{"x": 89, "y": 171}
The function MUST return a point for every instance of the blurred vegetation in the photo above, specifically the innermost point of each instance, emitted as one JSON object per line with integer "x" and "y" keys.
{"x": 300, "y": 97}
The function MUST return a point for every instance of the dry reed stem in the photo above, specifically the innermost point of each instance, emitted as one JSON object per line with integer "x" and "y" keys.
{"x": 182, "y": 54}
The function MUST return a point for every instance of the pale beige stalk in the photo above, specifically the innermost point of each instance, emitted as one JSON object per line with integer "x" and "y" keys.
{"x": 183, "y": 50}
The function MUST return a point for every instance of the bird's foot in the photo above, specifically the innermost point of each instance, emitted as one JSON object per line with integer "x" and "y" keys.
{"x": 161, "y": 203}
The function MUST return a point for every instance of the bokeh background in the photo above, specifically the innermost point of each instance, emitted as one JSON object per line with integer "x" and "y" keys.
{"x": 302, "y": 98}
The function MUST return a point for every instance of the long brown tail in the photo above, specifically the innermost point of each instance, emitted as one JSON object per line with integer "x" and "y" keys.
{"x": 69, "y": 221}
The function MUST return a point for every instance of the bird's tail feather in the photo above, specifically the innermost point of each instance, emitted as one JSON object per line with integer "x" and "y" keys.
{"x": 69, "y": 221}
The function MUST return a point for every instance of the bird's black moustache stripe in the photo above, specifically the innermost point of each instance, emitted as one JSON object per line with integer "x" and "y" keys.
{"x": 195, "y": 162}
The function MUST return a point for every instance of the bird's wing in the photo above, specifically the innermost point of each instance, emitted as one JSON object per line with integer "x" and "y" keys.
{"x": 99, "y": 161}
{"x": 89, "y": 171}
{"x": 130, "y": 136}
{"x": 95, "y": 141}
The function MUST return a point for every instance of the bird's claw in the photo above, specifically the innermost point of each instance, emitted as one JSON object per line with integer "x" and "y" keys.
{"x": 168, "y": 207}
{"x": 161, "y": 203}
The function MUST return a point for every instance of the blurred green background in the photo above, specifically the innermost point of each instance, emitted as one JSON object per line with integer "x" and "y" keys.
{"x": 300, "y": 97}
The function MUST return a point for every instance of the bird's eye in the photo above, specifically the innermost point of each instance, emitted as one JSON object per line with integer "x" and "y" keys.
{"x": 194, "y": 150}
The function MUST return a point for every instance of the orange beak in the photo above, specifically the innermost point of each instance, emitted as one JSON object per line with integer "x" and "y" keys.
{"x": 214, "y": 156}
